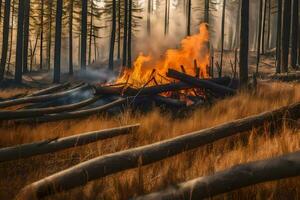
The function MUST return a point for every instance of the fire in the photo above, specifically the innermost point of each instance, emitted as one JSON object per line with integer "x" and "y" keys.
{"x": 192, "y": 58}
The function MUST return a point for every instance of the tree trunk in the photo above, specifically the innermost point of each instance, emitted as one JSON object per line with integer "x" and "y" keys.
{"x": 206, "y": 11}
{"x": 264, "y": 27}
{"x": 11, "y": 34}
{"x": 285, "y": 39}
{"x": 42, "y": 35}
{"x": 236, "y": 177}
{"x": 71, "y": 8}
{"x": 129, "y": 34}
{"x": 269, "y": 25}
{"x": 149, "y": 17}
{"x": 119, "y": 30}
{"x": 244, "y": 43}
{"x": 5, "y": 35}
{"x": 103, "y": 166}
{"x": 19, "y": 46}
{"x": 295, "y": 34}
{"x": 125, "y": 37}
{"x": 222, "y": 35}
{"x": 189, "y": 11}
{"x": 259, "y": 34}
{"x": 50, "y": 35}
{"x": 91, "y": 33}
{"x": 278, "y": 39}
{"x": 167, "y": 10}
{"x": 83, "y": 34}
{"x": 112, "y": 37}
{"x": 57, "y": 48}
{"x": 26, "y": 35}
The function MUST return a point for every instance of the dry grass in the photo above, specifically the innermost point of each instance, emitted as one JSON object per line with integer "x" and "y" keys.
{"x": 155, "y": 126}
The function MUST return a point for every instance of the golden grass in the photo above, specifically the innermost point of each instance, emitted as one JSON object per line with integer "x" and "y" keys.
{"x": 155, "y": 126}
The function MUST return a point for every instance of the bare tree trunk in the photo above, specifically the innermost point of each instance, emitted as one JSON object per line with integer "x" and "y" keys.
{"x": 167, "y": 10}
{"x": 222, "y": 34}
{"x": 112, "y": 37}
{"x": 259, "y": 34}
{"x": 49, "y": 36}
{"x": 57, "y": 48}
{"x": 19, "y": 46}
{"x": 71, "y": 8}
{"x": 244, "y": 43}
{"x": 264, "y": 27}
{"x": 269, "y": 25}
{"x": 206, "y": 11}
{"x": 125, "y": 37}
{"x": 83, "y": 34}
{"x": 285, "y": 39}
{"x": 91, "y": 33}
{"x": 149, "y": 17}
{"x": 11, "y": 34}
{"x": 5, "y": 36}
{"x": 189, "y": 11}
{"x": 295, "y": 34}
{"x": 129, "y": 34}
{"x": 26, "y": 36}
{"x": 119, "y": 29}
{"x": 42, "y": 34}
{"x": 278, "y": 39}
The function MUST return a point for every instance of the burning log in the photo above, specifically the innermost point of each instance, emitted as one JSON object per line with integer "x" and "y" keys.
{"x": 79, "y": 113}
{"x": 169, "y": 101}
{"x": 50, "y": 89}
{"x": 219, "y": 89}
{"x": 31, "y": 113}
{"x": 58, "y": 144}
{"x": 46, "y": 97}
{"x": 102, "y": 166}
{"x": 237, "y": 177}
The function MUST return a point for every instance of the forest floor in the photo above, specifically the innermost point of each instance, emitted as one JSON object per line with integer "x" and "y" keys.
{"x": 156, "y": 126}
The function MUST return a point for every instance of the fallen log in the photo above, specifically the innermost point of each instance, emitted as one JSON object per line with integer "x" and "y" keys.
{"x": 175, "y": 103}
{"x": 46, "y": 97}
{"x": 218, "y": 89}
{"x": 77, "y": 114}
{"x": 102, "y": 166}
{"x": 237, "y": 177}
{"x": 58, "y": 144}
{"x": 50, "y": 89}
{"x": 31, "y": 113}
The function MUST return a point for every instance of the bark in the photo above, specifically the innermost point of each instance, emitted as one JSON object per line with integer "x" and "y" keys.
{"x": 149, "y": 17}
{"x": 5, "y": 34}
{"x": 91, "y": 33}
{"x": 19, "y": 46}
{"x": 42, "y": 35}
{"x": 119, "y": 29}
{"x": 58, "y": 144}
{"x": 49, "y": 35}
{"x": 222, "y": 36}
{"x": 71, "y": 8}
{"x": 189, "y": 11}
{"x": 112, "y": 37}
{"x": 26, "y": 35}
{"x": 244, "y": 43}
{"x": 285, "y": 39}
{"x": 83, "y": 34}
{"x": 205, "y": 84}
{"x": 129, "y": 34}
{"x": 79, "y": 113}
{"x": 236, "y": 177}
{"x": 167, "y": 10}
{"x": 11, "y": 34}
{"x": 295, "y": 34}
{"x": 264, "y": 27}
{"x": 269, "y": 24}
{"x": 46, "y": 97}
{"x": 33, "y": 113}
{"x": 278, "y": 39}
{"x": 102, "y": 166}
{"x": 259, "y": 34}
{"x": 57, "y": 48}
{"x": 206, "y": 11}
{"x": 125, "y": 37}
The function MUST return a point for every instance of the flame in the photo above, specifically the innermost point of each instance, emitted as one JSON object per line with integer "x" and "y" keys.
{"x": 193, "y": 53}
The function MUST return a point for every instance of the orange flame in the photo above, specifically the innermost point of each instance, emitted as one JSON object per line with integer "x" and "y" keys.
{"x": 193, "y": 53}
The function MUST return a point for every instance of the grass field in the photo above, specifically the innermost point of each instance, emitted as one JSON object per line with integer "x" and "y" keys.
{"x": 155, "y": 126}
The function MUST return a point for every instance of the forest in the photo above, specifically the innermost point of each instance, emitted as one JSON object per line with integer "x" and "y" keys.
{"x": 149, "y": 99}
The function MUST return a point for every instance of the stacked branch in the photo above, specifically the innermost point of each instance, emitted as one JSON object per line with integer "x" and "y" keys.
{"x": 237, "y": 177}
{"x": 58, "y": 144}
{"x": 102, "y": 166}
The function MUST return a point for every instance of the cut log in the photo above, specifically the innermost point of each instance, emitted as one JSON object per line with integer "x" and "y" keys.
{"x": 79, "y": 113}
{"x": 58, "y": 144}
{"x": 102, "y": 166}
{"x": 46, "y": 97}
{"x": 237, "y": 177}
{"x": 216, "y": 88}
{"x": 50, "y": 89}
{"x": 32, "y": 113}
